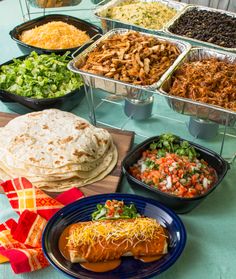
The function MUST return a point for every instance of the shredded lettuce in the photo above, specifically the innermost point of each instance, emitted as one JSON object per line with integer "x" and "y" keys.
{"x": 39, "y": 76}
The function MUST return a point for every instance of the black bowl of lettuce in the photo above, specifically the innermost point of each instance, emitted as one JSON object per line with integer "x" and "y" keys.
{"x": 150, "y": 168}
{"x": 35, "y": 82}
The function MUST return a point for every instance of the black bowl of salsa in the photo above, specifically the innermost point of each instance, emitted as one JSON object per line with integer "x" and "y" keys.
{"x": 180, "y": 202}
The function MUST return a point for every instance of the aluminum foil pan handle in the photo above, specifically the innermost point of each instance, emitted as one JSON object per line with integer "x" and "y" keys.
{"x": 91, "y": 40}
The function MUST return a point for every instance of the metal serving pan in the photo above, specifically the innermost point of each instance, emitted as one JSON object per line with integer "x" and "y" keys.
{"x": 53, "y": 3}
{"x": 118, "y": 87}
{"x": 109, "y": 24}
{"x": 193, "y": 108}
{"x": 193, "y": 41}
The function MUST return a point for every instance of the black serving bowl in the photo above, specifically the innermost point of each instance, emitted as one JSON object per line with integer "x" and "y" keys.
{"x": 91, "y": 30}
{"x": 21, "y": 104}
{"x": 178, "y": 204}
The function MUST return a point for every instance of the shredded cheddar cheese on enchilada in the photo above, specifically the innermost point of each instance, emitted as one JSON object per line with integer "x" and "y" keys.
{"x": 140, "y": 229}
{"x": 54, "y": 35}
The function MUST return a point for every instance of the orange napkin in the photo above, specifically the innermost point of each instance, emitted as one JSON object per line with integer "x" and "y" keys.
{"x": 20, "y": 243}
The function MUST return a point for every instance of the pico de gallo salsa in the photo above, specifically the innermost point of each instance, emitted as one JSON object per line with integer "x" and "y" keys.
{"x": 114, "y": 209}
{"x": 173, "y": 167}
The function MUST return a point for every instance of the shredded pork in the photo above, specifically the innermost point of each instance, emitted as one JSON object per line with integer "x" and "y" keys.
{"x": 209, "y": 81}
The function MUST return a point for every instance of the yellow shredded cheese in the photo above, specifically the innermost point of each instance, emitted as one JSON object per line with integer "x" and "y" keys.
{"x": 54, "y": 35}
{"x": 140, "y": 229}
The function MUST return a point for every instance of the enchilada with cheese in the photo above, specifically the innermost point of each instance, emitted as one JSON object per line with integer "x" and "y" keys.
{"x": 106, "y": 240}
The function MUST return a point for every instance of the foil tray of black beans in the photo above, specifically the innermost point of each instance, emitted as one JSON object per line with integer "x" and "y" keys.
{"x": 207, "y": 26}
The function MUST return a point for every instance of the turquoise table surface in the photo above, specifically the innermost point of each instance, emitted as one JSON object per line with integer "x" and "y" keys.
{"x": 210, "y": 251}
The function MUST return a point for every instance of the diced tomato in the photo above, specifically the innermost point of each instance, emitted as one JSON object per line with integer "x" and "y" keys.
{"x": 155, "y": 180}
{"x": 174, "y": 178}
{"x": 180, "y": 173}
{"x": 199, "y": 187}
{"x": 111, "y": 212}
{"x": 120, "y": 211}
{"x": 177, "y": 167}
{"x": 194, "y": 179}
{"x": 108, "y": 203}
{"x": 192, "y": 191}
{"x": 166, "y": 170}
{"x": 177, "y": 184}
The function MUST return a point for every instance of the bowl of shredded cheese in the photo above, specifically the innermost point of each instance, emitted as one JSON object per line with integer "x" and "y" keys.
{"x": 54, "y": 33}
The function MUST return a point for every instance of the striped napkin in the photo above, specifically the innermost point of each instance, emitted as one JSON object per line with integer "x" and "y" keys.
{"x": 20, "y": 242}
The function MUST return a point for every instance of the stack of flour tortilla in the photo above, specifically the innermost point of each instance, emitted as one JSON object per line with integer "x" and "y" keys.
{"x": 55, "y": 150}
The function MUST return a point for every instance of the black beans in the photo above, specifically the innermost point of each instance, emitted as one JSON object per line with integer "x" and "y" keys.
{"x": 208, "y": 26}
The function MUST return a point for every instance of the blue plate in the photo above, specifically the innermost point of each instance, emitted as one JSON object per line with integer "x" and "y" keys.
{"x": 81, "y": 210}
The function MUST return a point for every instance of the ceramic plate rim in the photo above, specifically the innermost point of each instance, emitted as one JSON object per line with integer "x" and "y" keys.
{"x": 158, "y": 205}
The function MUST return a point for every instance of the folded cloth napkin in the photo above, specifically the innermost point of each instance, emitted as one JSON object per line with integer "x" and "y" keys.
{"x": 22, "y": 257}
{"x": 20, "y": 243}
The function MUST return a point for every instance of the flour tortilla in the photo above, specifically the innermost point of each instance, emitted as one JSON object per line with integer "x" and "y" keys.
{"x": 55, "y": 150}
{"x": 53, "y": 139}
{"x": 19, "y": 167}
{"x": 4, "y": 176}
{"x": 63, "y": 185}
{"x": 107, "y": 159}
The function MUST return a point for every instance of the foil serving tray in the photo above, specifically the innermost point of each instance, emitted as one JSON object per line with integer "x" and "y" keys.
{"x": 109, "y": 24}
{"x": 190, "y": 107}
{"x": 123, "y": 88}
{"x": 53, "y": 3}
{"x": 196, "y": 42}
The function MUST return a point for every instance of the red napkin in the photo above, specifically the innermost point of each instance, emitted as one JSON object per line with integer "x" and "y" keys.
{"x": 21, "y": 242}
{"x": 22, "y": 257}
{"x": 22, "y": 195}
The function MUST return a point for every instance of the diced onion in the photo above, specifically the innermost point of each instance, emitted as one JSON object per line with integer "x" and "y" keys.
{"x": 183, "y": 181}
{"x": 143, "y": 167}
{"x": 205, "y": 182}
{"x": 175, "y": 164}
{"x": 168, "y": 182}
{"x": 171, "y": 169}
